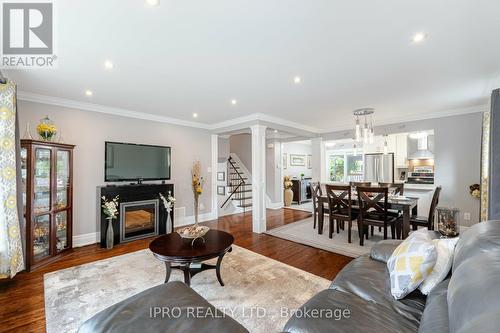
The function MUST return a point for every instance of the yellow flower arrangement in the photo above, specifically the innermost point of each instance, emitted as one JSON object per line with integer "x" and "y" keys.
{"x": 197, "y": 179}
{"x": 46, "y": 130}
{"x": 287, "y": 182}
{"x": 197, "y": 182}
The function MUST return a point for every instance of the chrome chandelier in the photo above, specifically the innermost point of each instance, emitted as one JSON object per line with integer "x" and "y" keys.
{"x": 365, "y": 134}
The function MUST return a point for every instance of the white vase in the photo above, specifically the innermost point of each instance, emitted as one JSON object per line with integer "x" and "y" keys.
{"x": 168, "y": 222}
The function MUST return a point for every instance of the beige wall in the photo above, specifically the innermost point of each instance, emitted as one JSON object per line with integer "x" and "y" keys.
{"x": 89, "y": 130}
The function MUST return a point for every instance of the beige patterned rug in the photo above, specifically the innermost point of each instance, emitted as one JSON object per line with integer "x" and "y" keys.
{"x": 251, "y": 281}
{"x": 302, "y": 232}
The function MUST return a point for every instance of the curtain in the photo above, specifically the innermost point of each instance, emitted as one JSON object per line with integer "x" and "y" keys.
{"x": 485, "y": 164}
{"x": 11, "y": 249}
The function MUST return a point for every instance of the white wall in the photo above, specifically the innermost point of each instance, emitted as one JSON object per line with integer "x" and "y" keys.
{"x": 89, "y": 130}
{"x": 223, "y": 149}
{"x": 297, "y": 149}
{"x": 457, "y": 151}
{"x": 274, "y": 182}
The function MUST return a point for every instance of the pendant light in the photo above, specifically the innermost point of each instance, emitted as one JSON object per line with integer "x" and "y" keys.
{"x": 358, "y": 130}
{"x": 386, "y": 148}
{"x": 367, "y": 135}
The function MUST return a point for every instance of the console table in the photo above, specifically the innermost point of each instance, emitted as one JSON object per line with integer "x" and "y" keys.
{"x": 301, "y": 190}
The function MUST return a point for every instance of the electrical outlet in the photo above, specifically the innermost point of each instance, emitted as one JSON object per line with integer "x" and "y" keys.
{"x": 467, "y": 216}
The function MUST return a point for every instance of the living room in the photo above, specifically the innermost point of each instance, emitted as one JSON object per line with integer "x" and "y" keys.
{"x": 249, "y": 167}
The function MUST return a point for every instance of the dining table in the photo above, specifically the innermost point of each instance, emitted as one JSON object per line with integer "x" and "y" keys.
{"x": 407, "y": 205}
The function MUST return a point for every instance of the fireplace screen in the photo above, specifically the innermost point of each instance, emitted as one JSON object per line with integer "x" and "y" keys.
{"x": 138, "y": 219}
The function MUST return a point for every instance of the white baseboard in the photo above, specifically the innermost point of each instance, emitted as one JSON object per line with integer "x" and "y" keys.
{"x": 86, "y": 239}
{"x": 188, "y": 220}
{"x": 95, "y": 237}
{"x": 274, "y": 205}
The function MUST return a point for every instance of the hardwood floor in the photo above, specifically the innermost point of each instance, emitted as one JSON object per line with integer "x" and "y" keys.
{"x": 22, "y": 299}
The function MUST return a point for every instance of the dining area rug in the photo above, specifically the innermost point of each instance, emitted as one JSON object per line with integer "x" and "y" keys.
{"x": 302, "y": 232}
{"x": 252, "y": 283}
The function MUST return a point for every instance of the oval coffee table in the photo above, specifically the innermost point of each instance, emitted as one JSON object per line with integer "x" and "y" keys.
{"x": 172, "y": 249}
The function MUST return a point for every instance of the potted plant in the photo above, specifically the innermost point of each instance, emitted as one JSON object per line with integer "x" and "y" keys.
{"x": 288, "y": 191}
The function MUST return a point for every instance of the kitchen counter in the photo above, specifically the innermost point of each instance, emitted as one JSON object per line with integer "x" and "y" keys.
{"x": 420, "y": 187}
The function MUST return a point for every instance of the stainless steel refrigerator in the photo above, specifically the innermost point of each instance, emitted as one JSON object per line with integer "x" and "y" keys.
{"x": 378, "y": 168}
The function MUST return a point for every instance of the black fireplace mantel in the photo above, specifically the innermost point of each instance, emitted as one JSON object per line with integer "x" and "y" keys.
{"x": 129, "y": 193}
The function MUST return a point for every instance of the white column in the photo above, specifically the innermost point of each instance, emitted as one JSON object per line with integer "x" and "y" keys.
{"x": 215, "y": 163}
{"x": 258, "y": 178}
{"x": 318, "y": 160}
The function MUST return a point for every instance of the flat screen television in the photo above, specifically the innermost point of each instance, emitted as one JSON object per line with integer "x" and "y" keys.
{"x": 135, "y": 162}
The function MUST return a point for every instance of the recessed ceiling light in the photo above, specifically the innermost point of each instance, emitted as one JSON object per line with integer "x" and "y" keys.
{"x": 195, "y": 115}
{"x": 234, "y": 102}
{"x": 108, "y": 64}
{"x": 153, "y": 3}
{"x": 88, "y": 92}
{"x": 419, "y": 37}
{"x": 275, "y": 131}
{"x": 297, "y": 80}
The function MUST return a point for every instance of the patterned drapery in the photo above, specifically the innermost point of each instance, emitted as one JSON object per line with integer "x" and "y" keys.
{"x": 11, "y": 249}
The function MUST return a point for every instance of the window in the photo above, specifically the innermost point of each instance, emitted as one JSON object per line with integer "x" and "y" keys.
{"x": 345, "y": 167}
{"x": 354, "y": 168}
{"x": 336, "y": 168}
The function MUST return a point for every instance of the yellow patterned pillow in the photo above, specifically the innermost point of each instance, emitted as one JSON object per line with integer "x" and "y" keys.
{"x": 410, "y": 263}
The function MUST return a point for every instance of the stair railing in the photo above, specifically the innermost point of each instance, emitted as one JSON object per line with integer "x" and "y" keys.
{"x": 235, "y": 181}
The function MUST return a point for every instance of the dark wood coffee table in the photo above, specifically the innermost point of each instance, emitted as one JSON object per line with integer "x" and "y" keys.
{"x": 172, "y": 249}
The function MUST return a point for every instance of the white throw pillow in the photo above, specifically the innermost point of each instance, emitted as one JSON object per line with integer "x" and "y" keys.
{"x": 445, "y": 248}
{"x": 410, "y": 263}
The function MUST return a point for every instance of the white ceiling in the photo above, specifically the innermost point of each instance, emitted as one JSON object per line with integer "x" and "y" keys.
{"x": 190, "y": 56}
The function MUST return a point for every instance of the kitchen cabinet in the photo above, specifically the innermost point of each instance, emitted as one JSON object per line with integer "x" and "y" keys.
{"x": 401, "y": 156}
{"x": 424, "y": 194}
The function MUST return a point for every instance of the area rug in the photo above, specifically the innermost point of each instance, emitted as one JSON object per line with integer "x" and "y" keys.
{"x": 252, "y": 281}
{"x": 302, "y": 232}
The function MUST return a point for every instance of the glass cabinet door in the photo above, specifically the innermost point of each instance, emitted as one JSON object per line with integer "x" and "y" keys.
{"x": 41, "y": 237}
{"x": 61, "y": 230}
{"x": 24, "y": 175}
{"x": 62, "y": 178}
{"x": 42, "y": 181}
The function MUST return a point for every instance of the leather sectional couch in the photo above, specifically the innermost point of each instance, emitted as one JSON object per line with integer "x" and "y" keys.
{"x": 467, "y": 301}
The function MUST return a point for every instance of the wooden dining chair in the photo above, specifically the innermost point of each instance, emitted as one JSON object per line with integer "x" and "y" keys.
{"x": 426, "y": 221}
{"x": 373, "y": 203}
{"x": 356, "y": 184}
{"x": 396, "y": 188}
{"x": 340, "y": 208}
{"x": 316, "y": 194}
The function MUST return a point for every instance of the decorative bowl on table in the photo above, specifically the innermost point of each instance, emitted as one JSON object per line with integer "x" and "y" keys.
{"x": 193, "y": 232}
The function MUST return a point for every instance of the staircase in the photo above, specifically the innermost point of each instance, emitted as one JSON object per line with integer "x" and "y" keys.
{"x": 238, "y": 186}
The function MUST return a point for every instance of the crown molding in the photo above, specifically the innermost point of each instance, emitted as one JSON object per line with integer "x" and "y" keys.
{"x": 57, "y": 101}
{"x": 415, "y": 117}
{"x": 64, "y": 102}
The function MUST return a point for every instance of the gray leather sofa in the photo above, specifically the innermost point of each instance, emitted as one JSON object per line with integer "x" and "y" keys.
{"x": 467, "y": 301}
{"x": 168, "y": 308}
